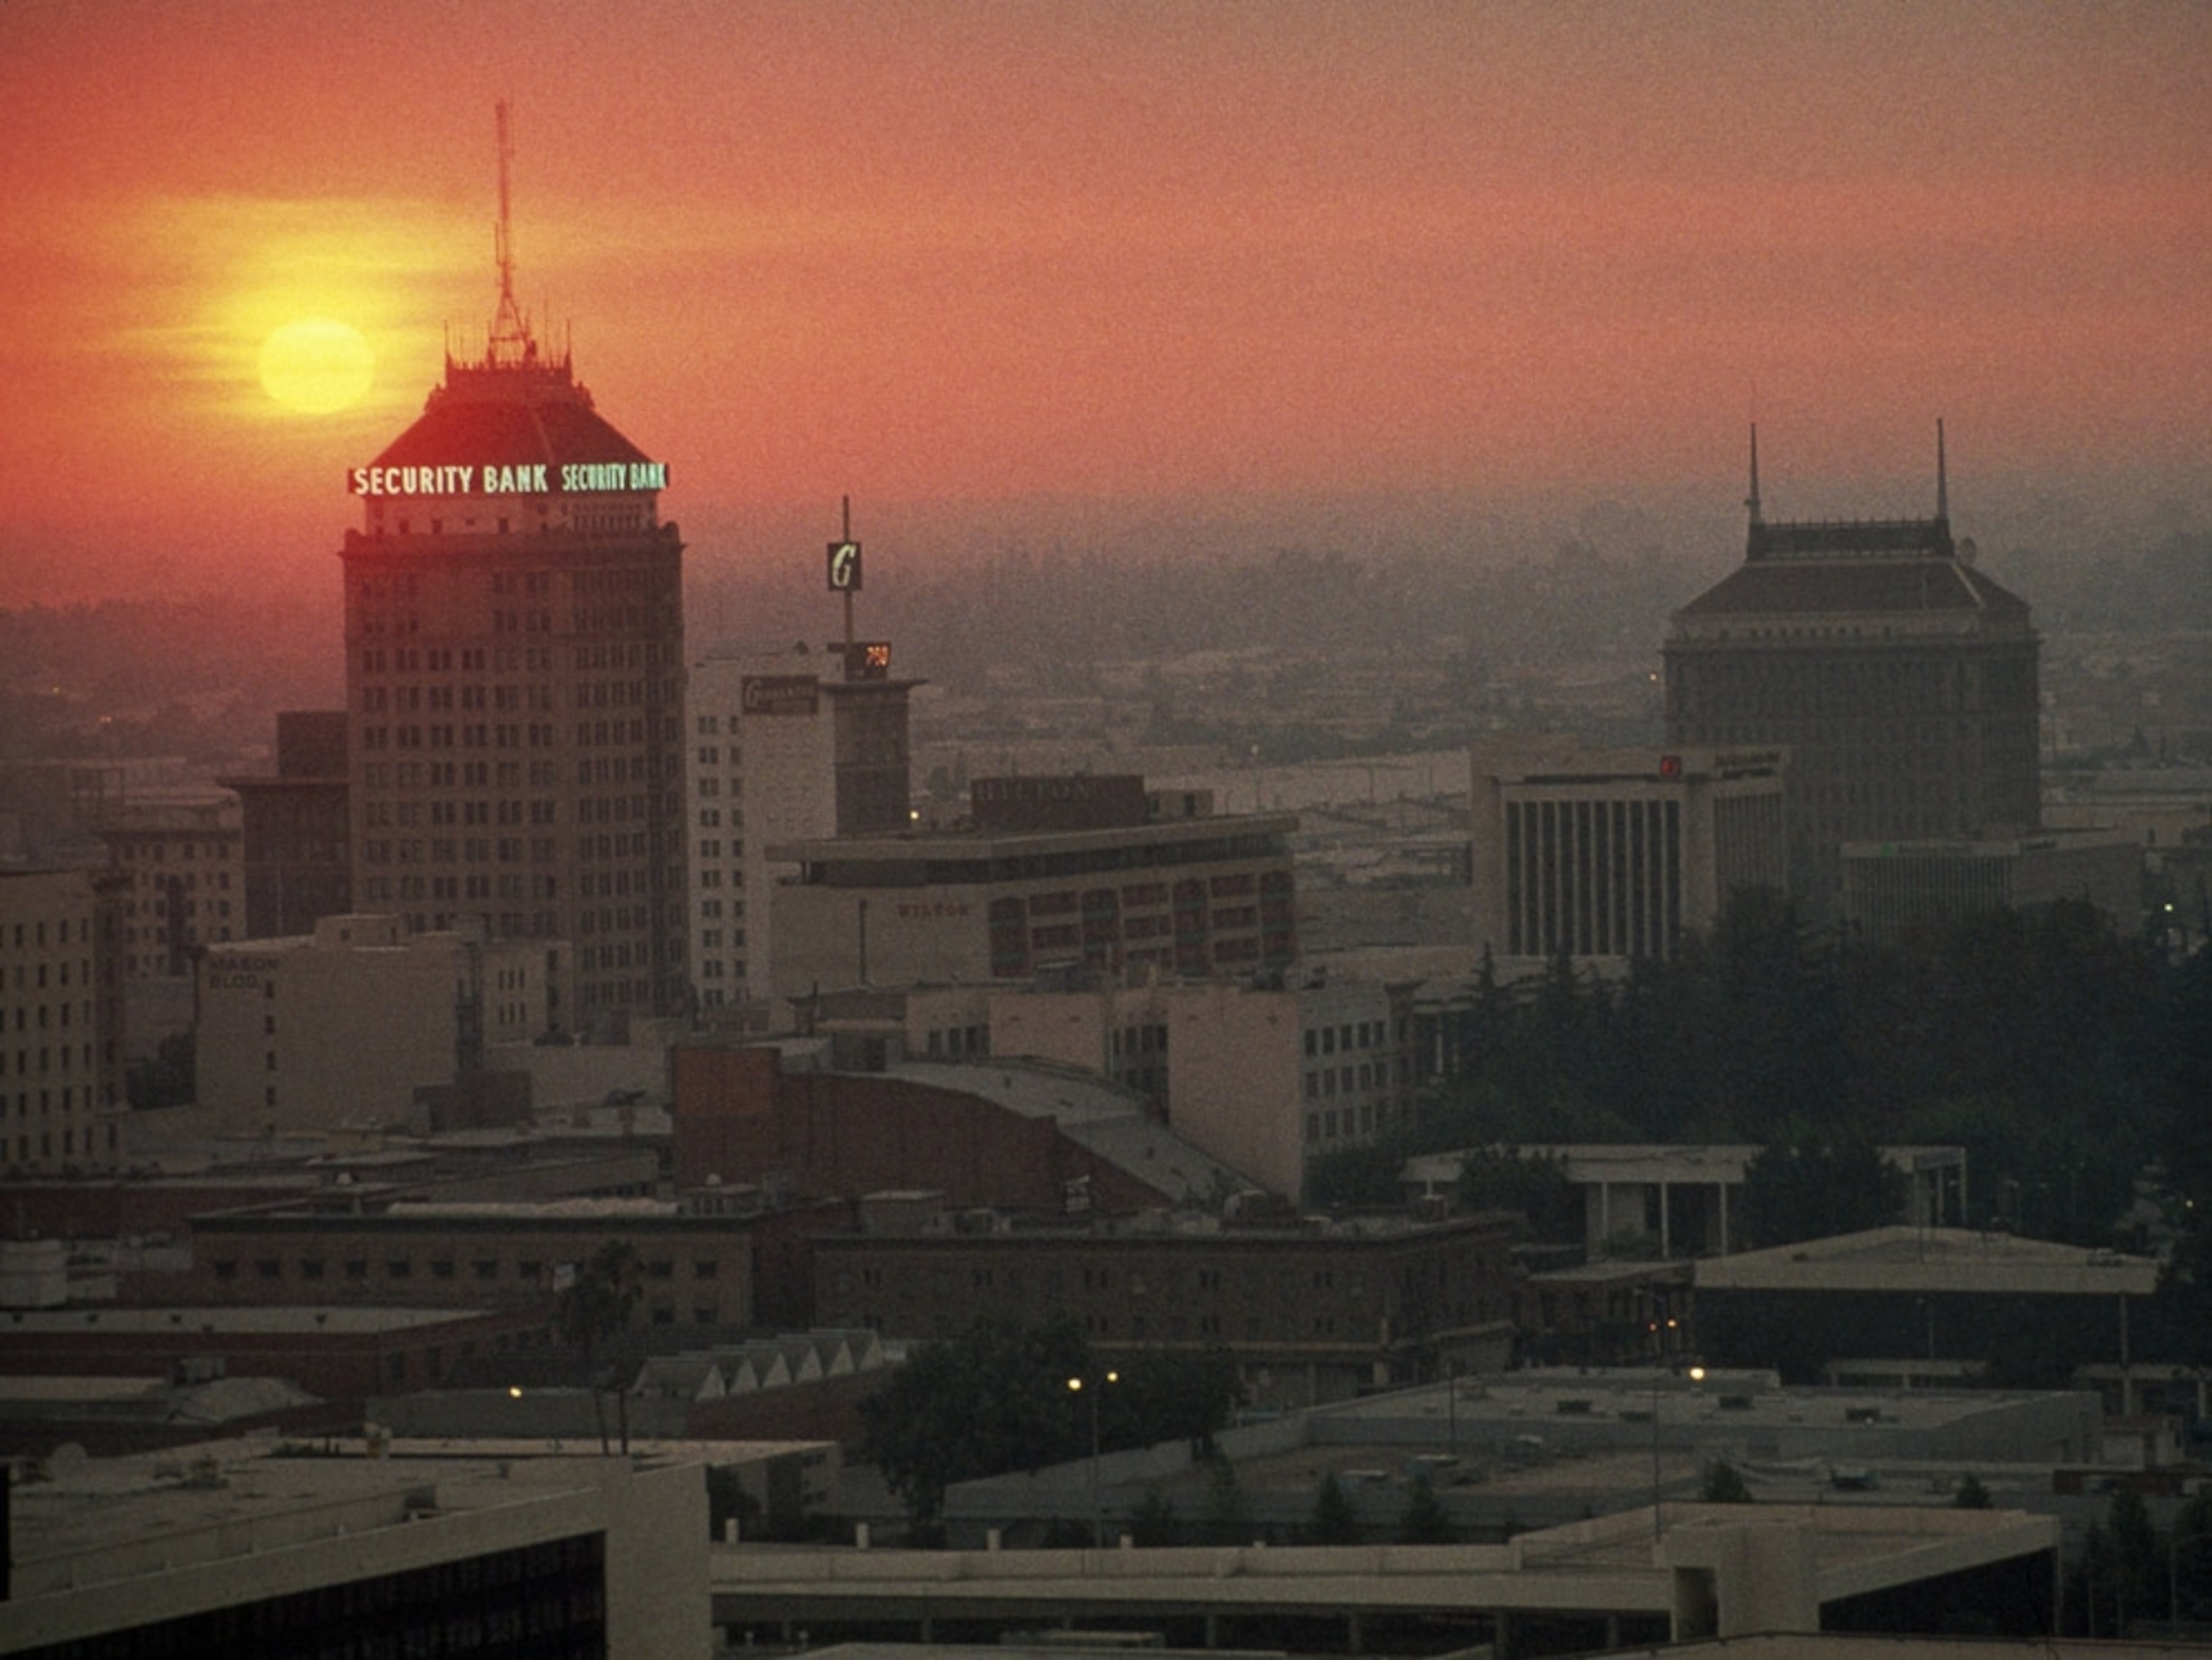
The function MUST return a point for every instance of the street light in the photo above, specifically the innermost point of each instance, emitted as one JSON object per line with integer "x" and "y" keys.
{"x": 1696, "y": 1374}
{"x": 1097, "y": 1515}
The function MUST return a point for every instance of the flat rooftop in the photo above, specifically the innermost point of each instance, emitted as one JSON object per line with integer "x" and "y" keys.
{"x": 336, "y": 1319}
{"x": 1947, "y": 1260}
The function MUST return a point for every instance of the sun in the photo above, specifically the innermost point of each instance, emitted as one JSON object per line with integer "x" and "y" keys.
{"x": 317, "y": 366}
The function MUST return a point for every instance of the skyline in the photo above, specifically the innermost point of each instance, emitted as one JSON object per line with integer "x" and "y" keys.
{"x": 990, "y": 266}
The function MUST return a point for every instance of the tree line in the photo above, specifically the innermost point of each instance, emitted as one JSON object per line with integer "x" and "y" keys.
{"x": 2071, "y": 1060}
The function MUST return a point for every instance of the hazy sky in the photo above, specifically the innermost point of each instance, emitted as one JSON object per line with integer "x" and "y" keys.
{"x": 993, "y": 251}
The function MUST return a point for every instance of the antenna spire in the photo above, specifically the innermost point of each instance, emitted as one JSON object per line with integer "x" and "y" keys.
{"x": 510, "y": 342}
{"x": 1942, "y": 484}
{"x": 1752, "y": 500}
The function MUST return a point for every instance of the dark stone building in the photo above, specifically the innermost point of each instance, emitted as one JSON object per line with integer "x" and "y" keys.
{"x": 1902, "y": 680}
{"x": 297, "y": 866}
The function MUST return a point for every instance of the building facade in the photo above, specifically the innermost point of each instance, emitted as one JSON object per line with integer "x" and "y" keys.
{"x": 1311, "y": 1313}
{"x": 1616, "y": 854}
{"x": 514, "y": 674}
{"x": 297, "y": 867}
{"x": 345, "y": 1025}
{"x": 1901, "y": 680}
{"x": 62, "y": 1101}
{"x": 786, "y": 748}
{"x": 183, "y": 858}
{"x": 1891, "y": 889}
{"x": 1131, "y": 885}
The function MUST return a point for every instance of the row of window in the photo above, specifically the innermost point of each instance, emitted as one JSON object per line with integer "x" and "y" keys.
{"x": 131, "y": 851}
{"x": 483, "y": 1269}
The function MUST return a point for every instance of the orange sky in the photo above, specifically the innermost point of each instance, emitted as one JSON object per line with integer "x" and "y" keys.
{"x": 996, "y": 252}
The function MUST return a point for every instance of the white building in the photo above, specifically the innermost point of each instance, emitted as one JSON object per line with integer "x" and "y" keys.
{"x": 762, "y": 765}
{"x": 1614, "y": 854}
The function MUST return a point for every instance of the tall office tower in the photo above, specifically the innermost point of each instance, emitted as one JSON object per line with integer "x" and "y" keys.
{"x": 1901, "y": 680}
{"x": 514, "y": 675}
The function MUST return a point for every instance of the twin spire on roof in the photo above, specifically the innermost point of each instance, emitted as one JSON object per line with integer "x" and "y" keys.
{"x": 1943, "y": 481}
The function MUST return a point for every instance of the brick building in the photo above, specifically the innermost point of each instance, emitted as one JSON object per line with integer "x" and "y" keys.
{"x": 1312, "y": 1312}
{"x": 342, "y": 1354}
{"x": 1023, "y": 1137}
{"x": 429, "y": 1254}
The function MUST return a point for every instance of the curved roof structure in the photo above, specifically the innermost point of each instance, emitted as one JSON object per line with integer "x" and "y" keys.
{"x": 524, "y": 415}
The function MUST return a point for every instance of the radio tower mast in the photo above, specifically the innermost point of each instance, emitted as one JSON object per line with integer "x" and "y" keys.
{"x": 510, "y": 345}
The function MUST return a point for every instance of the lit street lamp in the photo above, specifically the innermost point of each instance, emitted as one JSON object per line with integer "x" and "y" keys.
{"x": 1696, "y": 1374}
{"x": 1097, "y": 1517}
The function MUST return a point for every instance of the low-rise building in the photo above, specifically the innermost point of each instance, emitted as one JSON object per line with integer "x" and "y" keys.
{"x": 1077, "y": 872}
{"x": 1892, "y": 888}
{"x": 1927, "y": 1293}
{"x": 694, "y": 1269}
{"x": 239, "y": 1549}
{"x": 1039, "y": 1139}
{"x": 1311, "y": 1311}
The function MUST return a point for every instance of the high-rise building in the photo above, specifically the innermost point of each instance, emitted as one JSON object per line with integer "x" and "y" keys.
{"x": 514, "y": 676}
{"x": 61, "y": 1006}
{"x": 786, "y": 746}
{"x": 1900, "y": 679}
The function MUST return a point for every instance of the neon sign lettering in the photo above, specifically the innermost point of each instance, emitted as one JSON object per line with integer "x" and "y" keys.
{"x": 574, "y": 478}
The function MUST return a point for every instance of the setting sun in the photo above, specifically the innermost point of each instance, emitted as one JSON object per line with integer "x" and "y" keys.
{"x": 317, "y": 366}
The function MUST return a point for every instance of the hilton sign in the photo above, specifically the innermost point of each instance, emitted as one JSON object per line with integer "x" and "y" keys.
{"x": 778, "y": 695}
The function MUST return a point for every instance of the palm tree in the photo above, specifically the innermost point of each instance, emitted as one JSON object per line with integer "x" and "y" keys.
{"x": 595, "y": 1306}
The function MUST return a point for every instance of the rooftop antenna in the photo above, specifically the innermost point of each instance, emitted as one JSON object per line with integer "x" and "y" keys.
{"x": 1751, "y": 501}
{"x": 1942, "y": 485}
{"x": 510, "y": 342}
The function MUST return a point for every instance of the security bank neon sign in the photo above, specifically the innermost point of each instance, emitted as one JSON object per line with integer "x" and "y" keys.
{"x": 539, "y": 478}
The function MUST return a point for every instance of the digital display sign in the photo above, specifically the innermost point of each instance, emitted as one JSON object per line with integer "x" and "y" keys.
{"x": 530, "y": 478}
{"x": 868, "y": 659}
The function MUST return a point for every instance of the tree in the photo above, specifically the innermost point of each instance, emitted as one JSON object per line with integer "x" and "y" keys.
{"x": 993, "y": 1399}
{"x": 1724, "y": 1484}
{"x": 1172, "y": 1397}
{"x": 1226, "y": 1521}
{"x": 1969, "y": 1494}
{"x": 1332, "y": 1521}
{"x": 1809, "y": 1186}
{"x": 595, "y": 1306}
{"x": 2139, "y": 1562}
{"x": 1534, "y": 1184}
{"x": 1152, "y": 1524}
{"x": 1423, "y": 1522}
